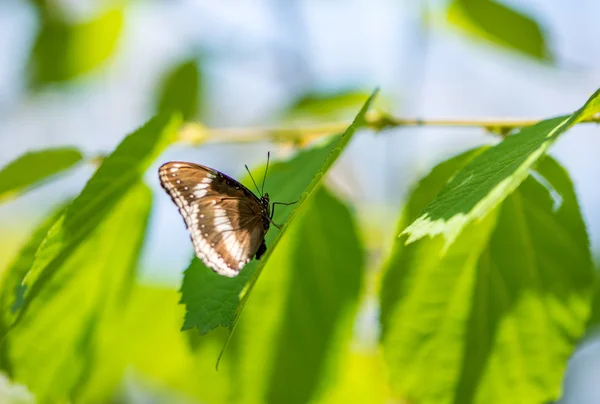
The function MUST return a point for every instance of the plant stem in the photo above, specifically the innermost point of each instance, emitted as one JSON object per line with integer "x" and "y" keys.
{"x": 196, "y": 133}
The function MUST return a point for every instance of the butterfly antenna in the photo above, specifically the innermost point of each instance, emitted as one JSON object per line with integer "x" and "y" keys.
{"x": 252, "y": 178}
{"x": 265, "y": 177}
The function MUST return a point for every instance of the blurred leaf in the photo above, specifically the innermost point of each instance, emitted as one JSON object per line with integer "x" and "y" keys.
{"x": 501, "y": 25}
{"x": 33, "y": 168}
{"x": 179, "y": 90}
{"x": 118, "y": 173}
{"x": 327, "y": 271}
{"x": 496, "y": 313}
{"x": 327, "y": 105}
{"x": 64, "y": 51}
{"x": 593, "y": 325}
{"x": 150, "y": 352}
{"x": 489, "y": 178}
{"x": 212, "y": 300}
{"x": 11, "y": 292}
{"x": 362, "y": 378}
{"x": 59, "y": 331}
{"x": 301, "y": 314}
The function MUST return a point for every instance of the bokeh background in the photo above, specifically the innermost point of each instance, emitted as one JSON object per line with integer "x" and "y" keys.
{"x": 85, "y": 73}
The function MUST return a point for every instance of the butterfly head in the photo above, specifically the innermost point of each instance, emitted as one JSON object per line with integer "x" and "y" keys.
{"x": 266, "y": 210}
{"x": 265, "y": 202}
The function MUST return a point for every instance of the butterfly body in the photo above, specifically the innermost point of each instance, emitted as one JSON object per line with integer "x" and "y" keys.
{"x": 227, "y": 222}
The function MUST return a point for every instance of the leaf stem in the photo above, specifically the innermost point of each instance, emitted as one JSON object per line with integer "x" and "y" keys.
{"x": 195, "y": 133}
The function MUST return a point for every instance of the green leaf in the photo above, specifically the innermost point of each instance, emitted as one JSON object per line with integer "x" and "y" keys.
{"x": 33, "y": 168}
{"x": 118, "y": 173}
{"x": 327, "y": 271}
{"x": 64, "y": 51}
{"x": 500, "y": 25}
{"x": 326, "y": 105}
{"x": 425, "y": 277}
{"x": 127, "y": 352}
{"x": 488, "y": 179}
{"x": 212, "y": 300}
{"x": 301, "y": 313}
{"x": 179, "y": 90}
{"x": 61, "y": 327}
{"x": 497, "y": 312}
{"x": 362, "y": 378}
{"x": 11, "y": 292}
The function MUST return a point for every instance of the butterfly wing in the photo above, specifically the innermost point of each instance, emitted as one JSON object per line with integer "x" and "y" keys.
{"x": 223, "y": 217}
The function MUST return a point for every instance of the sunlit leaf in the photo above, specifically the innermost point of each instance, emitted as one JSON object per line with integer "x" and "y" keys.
{"x": 33, "y": 168}
{"x": 497, "y": 312}
{"x": 361, "y": 378}
{"x": 150, "y": 352}
{"x": 212, "y": 300}
{"x": 500, "y": 25}
{"x": 118, "y": 173}
{"x": 492, "y": 176}
{"x": 531, "y": 305}
{"x": 179, "y": 90}
{"x": 11, "y": 292}
{"x": 64, "y": 51}
{"x": 60, "y": 329}
{"x": 425, "y": 298}
{"x": 300, "y": 316}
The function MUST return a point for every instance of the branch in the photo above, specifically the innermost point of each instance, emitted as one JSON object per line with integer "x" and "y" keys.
{"x": 196, "y": 133}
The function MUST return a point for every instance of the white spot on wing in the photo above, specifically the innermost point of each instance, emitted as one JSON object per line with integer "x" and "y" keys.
{"x": 200, "y": 191}
{"x": 221, "y": 221}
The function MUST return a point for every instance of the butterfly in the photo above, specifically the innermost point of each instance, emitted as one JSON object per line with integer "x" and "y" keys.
{"x": 227, "y": 222}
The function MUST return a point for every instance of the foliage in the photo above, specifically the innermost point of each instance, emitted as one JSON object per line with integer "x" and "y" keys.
{"x": 487, "y": 289}
{"x": 512, "y": 293}
{"x": 320, "y": 105}
{"x": 62, "y": 324}
{"x": 213, "y": 300}
{"x": 492, "y": 176}
{"x": 307, "y": 298}
{"x": 64, "y": 50}
{"x": 33, "y": 168}
{"x": 509, "y": 285}
{"x": 179, "y": 90}
{"x": 119, "y": 173}
{"x": 500, "y": 25}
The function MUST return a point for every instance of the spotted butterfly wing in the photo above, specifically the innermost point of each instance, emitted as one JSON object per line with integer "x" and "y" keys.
{"x": 226, "y": 221}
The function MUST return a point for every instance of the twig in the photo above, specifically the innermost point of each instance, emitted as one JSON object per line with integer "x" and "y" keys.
{"x": 195, "y": 133}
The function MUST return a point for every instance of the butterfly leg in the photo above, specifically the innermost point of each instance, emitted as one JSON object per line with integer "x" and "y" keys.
{"x": 280, "y": 203}
{"x": 273, "y": 211}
